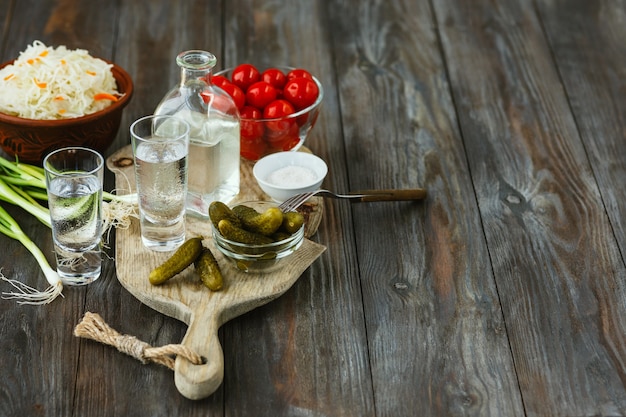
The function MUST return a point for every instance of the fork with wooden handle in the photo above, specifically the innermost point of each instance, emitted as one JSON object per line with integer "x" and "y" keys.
{"x": 297, "y": 200}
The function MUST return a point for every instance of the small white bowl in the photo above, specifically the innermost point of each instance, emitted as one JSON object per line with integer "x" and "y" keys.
{"x": 284, "y": 174}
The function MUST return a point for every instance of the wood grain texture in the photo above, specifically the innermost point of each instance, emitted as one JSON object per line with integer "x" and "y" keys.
{"x": 586, "y": 40}
{"x": 587, "y": 45}
{"x": 551, "y": 245}
{"x": 429, "y": 297}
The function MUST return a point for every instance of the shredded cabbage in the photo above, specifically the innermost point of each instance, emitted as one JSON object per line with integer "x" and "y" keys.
{"x": 56, "y": 83}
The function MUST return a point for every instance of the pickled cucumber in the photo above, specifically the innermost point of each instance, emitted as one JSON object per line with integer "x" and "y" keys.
{"x": 292, "y": 222}
{"x": 244, "y": 212}
{"x": 207, "y": 267}
{"x": 181, "y": 259}
{"x": 265, "y": 223}
{"x": 219, "y": 211}
{"x": 281, "y": 235}
{"x": 238, "y": 234}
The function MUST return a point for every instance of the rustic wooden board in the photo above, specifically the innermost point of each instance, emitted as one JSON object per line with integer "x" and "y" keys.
{"x": 185, "y": 298}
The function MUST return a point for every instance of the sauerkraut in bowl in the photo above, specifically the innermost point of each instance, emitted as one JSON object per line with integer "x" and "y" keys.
{"x": 48, "y": 83}
{"x": 55, "y": 97}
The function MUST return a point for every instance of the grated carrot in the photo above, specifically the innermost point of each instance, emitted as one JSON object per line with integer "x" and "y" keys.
{"x": 31, "y": 61}
{"x": 59, "y": 98}
{"x": 40, "y": 84}
{"x": 91, "y": 73}
{"x": 105, "y": 96}
{"x": 44, "y": 53}
{"x": 8, "y": 77}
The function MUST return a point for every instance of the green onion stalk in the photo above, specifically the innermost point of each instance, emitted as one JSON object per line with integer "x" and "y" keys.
{"x": 24, "y": 185}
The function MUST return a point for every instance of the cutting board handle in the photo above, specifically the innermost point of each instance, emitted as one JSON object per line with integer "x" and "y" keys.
{"x": 199, "y": 381}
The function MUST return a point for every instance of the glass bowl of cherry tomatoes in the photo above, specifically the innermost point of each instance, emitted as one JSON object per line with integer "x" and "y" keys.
{"x": 278, "y": 106}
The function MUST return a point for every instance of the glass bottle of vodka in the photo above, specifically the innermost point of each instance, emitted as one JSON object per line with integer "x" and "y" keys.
{"x": 214, "y": 131}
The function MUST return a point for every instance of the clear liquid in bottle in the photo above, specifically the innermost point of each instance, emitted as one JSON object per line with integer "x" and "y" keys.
{"x": 214, "y": 132}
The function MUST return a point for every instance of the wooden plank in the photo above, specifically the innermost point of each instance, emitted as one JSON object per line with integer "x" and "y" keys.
{"x": 586, "y": 39}
{"x": 6, "y": 13}
{"x": 557, "y": 266}
{"x": 587, "y": 43}
{"x": 436, "y": 336}
{"x": 310, "y": 354}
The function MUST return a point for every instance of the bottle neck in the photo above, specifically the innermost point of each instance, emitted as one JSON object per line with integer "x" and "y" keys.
{"x": 195, "y": 66}
{"x": 192, "y": 76}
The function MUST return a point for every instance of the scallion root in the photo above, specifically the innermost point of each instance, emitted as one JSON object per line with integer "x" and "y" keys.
{"x": 117, "y": 214}
{"x": 26, "y": 294}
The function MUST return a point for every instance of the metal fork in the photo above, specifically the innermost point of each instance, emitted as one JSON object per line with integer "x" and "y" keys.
{"x": 297, "y": 200}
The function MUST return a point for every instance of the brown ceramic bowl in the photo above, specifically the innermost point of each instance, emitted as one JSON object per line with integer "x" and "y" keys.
{"x": 31, "y": 140}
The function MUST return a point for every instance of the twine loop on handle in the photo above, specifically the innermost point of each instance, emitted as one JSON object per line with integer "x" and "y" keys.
{"x": 93, "y": 327}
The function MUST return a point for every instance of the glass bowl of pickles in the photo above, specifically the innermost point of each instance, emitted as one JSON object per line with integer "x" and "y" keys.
{"x": 255, "y": 235}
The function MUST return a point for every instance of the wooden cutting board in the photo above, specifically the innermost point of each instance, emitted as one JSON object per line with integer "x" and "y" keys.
{"x": 185, "y": 298}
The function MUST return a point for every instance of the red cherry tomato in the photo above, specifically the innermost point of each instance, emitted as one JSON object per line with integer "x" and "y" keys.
{"x": 220, "y": 102}
{"x": 250, "y": 112}
{"x": 308, "y": 117}
{"x": 276, "y": 110}
{"x": 301, "y": 92}
{"x": 250, "y": 126}
{"x": 244, "y": 75}
{"x": 235, "y": 92}
{"x": 283, "y": 140}
{"x": 299, "y": 73}
{"x": 275, "y": 77}
{"x": 219, "y": 80}
{"x": 260, "y": 94}
{"x": 289, "y": 143}
{"x": 252, "y": 148}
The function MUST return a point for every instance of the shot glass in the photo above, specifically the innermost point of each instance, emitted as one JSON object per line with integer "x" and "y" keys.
{"x": 74, "y": 179}
{"x": 160, "y": 149}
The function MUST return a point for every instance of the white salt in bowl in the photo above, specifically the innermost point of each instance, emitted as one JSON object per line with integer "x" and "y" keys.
{"x": 284, "y": 174}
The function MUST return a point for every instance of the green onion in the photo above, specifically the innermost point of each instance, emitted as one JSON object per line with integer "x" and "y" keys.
{"x": 13, "y": 196}
{"x": 26, "y": 294}
{"x": 32, "y": 180}
{"x": 24, "y": 185}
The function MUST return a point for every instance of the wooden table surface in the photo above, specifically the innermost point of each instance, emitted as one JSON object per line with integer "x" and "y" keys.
{"x": 502, "y": 294}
